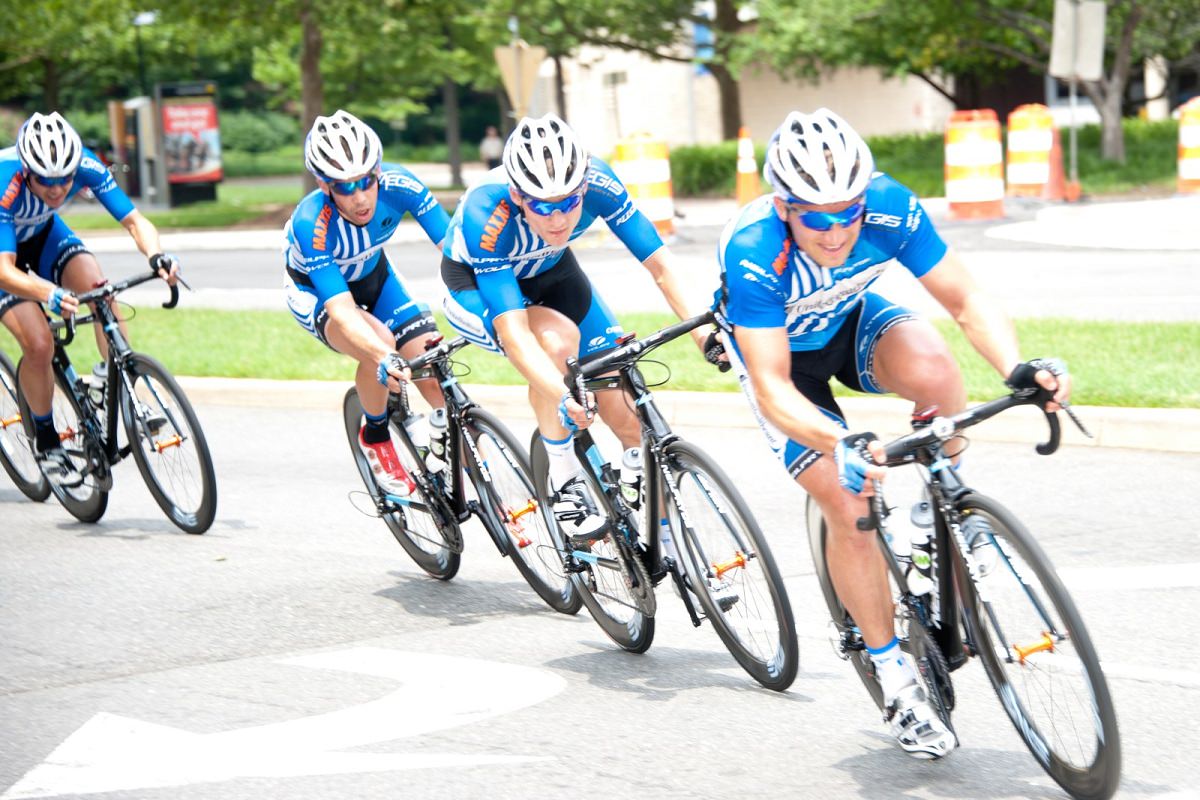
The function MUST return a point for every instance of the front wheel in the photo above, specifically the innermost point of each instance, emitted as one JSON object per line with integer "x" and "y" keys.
{"x": 168, "y": 444}
{"x": 596, "y": 573}
{"x": 1036, "y": 651}
{"x": 505, "y": 489}
{"x": 422, "y": 523}
{"x": 16, "y": 446}
{"x": 730, "y": 567}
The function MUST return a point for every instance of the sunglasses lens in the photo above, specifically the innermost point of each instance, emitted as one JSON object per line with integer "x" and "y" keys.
{"x": 824, "y": 220}
{"x": 350, "y": 187}
{"x": 545, "y": 208}
{"x": 62, "y": 181}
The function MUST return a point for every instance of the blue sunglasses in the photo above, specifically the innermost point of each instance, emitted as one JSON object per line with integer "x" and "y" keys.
{"x": 545, "y": 208}
{"x": 61, "y": 181}
{"x": 347, "y": 188}
{"x": 824, "y": 220}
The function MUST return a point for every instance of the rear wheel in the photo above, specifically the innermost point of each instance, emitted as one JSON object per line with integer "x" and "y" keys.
{"x": 168, "y": 445}
{"x": 927, "y": 658}
{"x": 88, "y": 501}
{"x": 597, "y": 572}
{"x": 16, "y": 446}
{"x": 508, "y": 497}
{"x": 422, "y": 523}
{"x": 1036, "y": 651}
{"x": 731, "y": 568}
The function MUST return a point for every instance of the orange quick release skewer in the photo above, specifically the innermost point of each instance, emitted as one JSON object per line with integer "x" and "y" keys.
{"x": 13, "y": 420}
{"x": 171, "y": 441}
{"x": 738, "y": 560}
{"x": 1024, "y": 652}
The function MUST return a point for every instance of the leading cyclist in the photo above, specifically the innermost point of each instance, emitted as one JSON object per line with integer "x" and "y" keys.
{"x": 341, "y": 287}
{"x": 42, "y": 260}
{"x": 796, "y": 267}
{"x": 516, "y": 287}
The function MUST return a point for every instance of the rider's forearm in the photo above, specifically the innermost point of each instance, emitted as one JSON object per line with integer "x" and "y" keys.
{"x": 797, "y": 417}
{"x": 360, "y": 340}
{"x": 990, "y": 332}
{"x": 527, "y": 356}
{"x": 21, "y": 283}
{"x": 661, "y": 266}
{"x": 144, "y": 234}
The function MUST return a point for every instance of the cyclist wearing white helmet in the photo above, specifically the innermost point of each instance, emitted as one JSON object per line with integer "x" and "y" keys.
{"x": 516, "y": 288}
{"x": 796, "y": 267}
{"x": 341, "y": 287}
{"x": 42, "y": 260}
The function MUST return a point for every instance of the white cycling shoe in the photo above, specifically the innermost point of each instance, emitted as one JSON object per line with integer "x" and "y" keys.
{"x": 916, "y": 726}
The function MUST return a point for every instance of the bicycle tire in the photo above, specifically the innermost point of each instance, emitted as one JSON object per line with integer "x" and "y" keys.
{"x": 929, "y": 662}
{"x": 16, "y": 447}
{"x": 88, "y": 501}
{"x": 600, "y": 585}
{"x": 505, "y": 494}
{"x": 730, "y": 568}
{"x": 183, "y": 485}
{"x": 995, "y": 588}
{"x": 429, "y": 533}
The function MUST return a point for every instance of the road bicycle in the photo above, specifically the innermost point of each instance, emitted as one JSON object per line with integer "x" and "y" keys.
{"x": 480, "y": 452}
{"x": 16, "y": 448}
{"x": 162, "y": 431}
{"x": 689, "y": 523}
{"x": 995, "y": 596}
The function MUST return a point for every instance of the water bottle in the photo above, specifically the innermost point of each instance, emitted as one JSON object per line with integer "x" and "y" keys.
{"x": 417, "y": 426}
{"x": 920, "y": 576}
{"x": 665, "y": 542}
{"x": 97, "y": 384}
{"x": 631, "y": 476}
{"x": 437, "y": 441}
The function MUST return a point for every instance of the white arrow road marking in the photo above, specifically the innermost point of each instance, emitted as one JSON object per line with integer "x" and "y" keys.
{"x": 1147, "y": 576}
{"x": 111, "y": 753}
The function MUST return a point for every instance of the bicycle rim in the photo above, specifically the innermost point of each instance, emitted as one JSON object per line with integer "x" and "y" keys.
{"x": 168, "y": 445}
{"x": 524, "y": 520}
{"x": 731, "y": 568}
{"x": 88, "y": 501}
{"x": 16, "y": 447}
{"x": 1037, "y": 652}
{"x": 429, "y": 536}
{"x": 599, "y": 580}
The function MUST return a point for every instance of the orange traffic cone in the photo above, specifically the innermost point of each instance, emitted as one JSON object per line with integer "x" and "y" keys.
{"x": 747, "y": 170}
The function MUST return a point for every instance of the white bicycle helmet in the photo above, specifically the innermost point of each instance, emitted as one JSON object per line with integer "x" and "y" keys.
{"x": 544, "y": 159}
{"x": 49, "y": 146}
{"x": 341, "y": 146}
{"x": 818, "y": 159}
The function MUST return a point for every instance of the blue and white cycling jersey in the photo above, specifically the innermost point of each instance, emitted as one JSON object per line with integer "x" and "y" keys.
{"x": 23, "y": 215}
{"x": 489, "y": 235}
{"x": 331, "y": 253}
{"x": 768, "y": 282}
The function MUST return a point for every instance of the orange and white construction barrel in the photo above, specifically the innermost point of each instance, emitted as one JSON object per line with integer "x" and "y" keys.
{"x": 1189, "y": 147}
{"x": 974, "y": 165}
{"x": 643, "y": 164}
{"x": 1033, "y": 163}
{"x": 747, "y": 187}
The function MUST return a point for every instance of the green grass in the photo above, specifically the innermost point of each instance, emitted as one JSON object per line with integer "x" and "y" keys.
{"x": 236, "y": 203}
{"x": 1113, "y": 364}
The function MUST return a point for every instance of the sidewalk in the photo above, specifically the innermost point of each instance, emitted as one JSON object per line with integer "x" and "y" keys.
{"x": 1170, "y": 430}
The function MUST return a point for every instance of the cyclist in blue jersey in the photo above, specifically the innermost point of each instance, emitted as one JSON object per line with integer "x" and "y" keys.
{"x": 43, "y": 261}
{"x": 341, "y": 287}
{"x": 516, "y": 287}
{"x": 797, "y": 311}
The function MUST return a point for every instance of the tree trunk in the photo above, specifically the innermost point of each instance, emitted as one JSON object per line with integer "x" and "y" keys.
{"x": 560, "y": 93}
{"x": 731, "y": 100}
{"x": 726, "y": 27}
{"x": 453, "y": 130}
{"x": 50, "y": 83}
{"x": 312, "y": 90}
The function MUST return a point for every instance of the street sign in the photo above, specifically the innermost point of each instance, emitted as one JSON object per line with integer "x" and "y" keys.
{"x": 1077, "y": 46}
{"x": 519, "y": 64}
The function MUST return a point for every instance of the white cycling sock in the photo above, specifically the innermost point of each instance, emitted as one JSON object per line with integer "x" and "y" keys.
{"x": 892, "y": 668}
{"x": 563, "y": 463}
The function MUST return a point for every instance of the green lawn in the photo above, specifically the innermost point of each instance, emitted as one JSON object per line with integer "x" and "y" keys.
{"x": 1114, "y": 364}
{"x": 235, "y": 203}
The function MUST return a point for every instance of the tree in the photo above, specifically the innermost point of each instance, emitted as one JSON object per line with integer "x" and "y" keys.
{"x": 960, "y": 37}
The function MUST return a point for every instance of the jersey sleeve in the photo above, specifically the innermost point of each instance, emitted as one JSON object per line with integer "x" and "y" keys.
{"x": 608, "y": 199}
{"x": 500, "y": 291}
{"x": 894, "y": 210}
{"x": 312, "y": 235}
{"x": 754, "y": 294}
{"x": 95, "y": 176}
{"x": 9, "y": 191}
{"x": 405, "y": 191}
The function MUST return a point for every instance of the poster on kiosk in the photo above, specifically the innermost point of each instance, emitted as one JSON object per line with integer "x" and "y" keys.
{"x": 191, "y": 141}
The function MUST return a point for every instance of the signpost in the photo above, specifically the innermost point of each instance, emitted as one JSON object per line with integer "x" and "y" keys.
{"x": 519, "y": 64}
{"x": 1077, "y": 54}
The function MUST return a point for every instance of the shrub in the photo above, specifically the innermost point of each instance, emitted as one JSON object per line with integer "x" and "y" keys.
{"x": 257, "y": 131}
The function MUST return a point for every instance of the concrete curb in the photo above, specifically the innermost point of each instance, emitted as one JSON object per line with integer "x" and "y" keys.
{"x": 1171, "y": 430}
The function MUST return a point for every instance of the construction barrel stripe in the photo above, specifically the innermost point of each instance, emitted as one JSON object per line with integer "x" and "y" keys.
{"x": 643, "y": 165}
{"x": 974, "y": 165}
{"x": 1030, "y": 142}
{"x": 1189, "y": 147}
